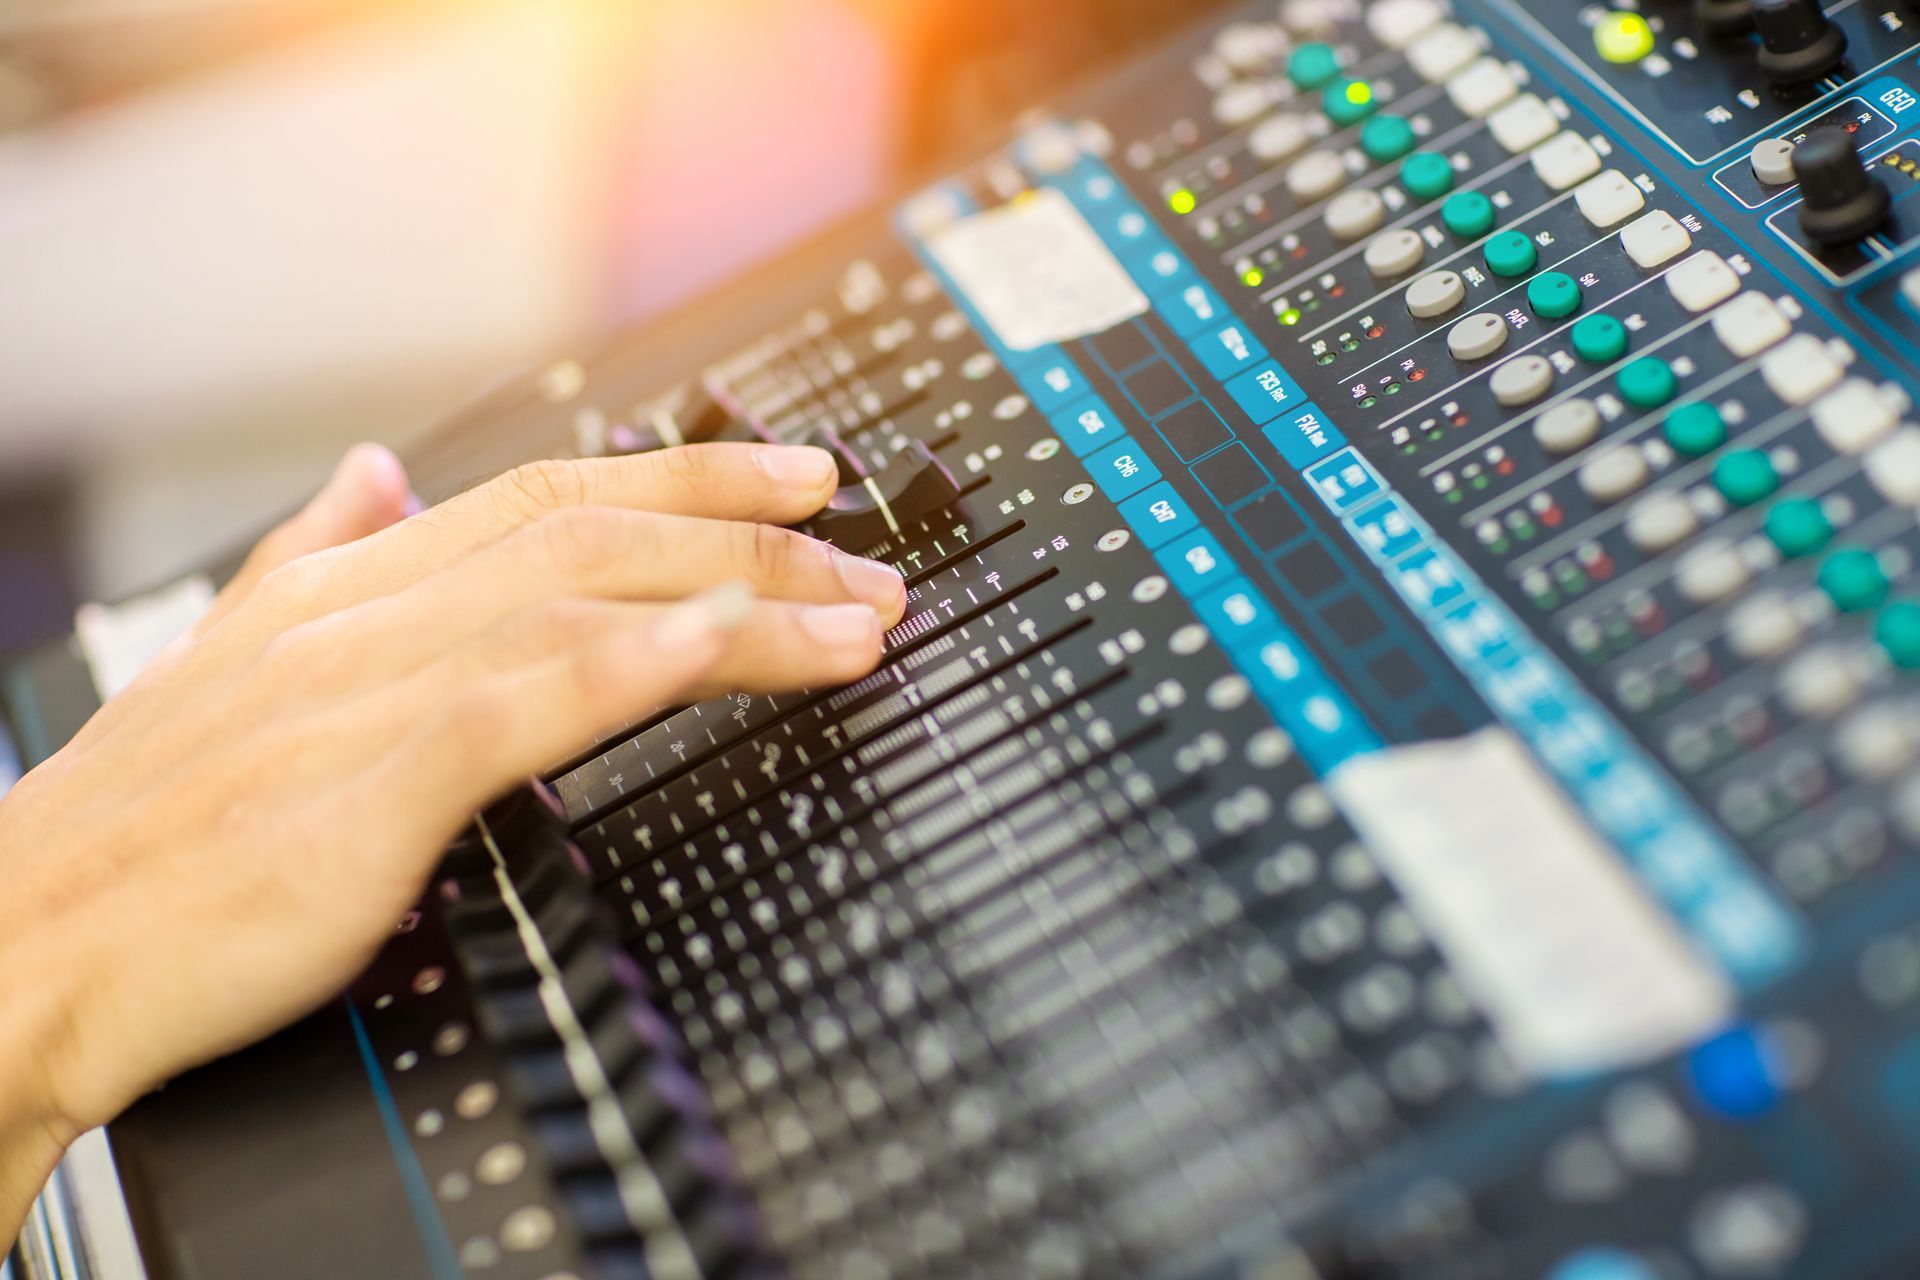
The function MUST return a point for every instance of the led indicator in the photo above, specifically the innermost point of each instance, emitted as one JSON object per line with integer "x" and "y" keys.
{"x": 1359, "y": 93}
{"x": 1291, "y": 316}
{"x": 1252, "y": 277}
{"x": 1623, "y": 37}
{"x": 1181, "y": 201}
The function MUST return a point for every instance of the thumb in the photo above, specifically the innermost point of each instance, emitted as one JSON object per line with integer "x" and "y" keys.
{"x": 366, "y": 493}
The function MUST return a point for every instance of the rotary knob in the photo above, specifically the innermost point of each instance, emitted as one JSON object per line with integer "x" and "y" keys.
{"x": 1723, "y": 17}
{"x": 1798, "y": 42}
{"x": 1841, "y": 200}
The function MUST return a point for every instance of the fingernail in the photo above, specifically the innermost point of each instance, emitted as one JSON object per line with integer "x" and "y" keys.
{"x": 880, "y": 585}
{"x": 841, "y": 626}
{"x": 797, "y": 466}
{"x": 714, "y": 612}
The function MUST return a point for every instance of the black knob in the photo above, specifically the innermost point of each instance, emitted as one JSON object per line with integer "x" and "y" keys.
{"x": 911, "y": 486}
{"x": 1723, "y": 17}
{"x": 1841, "y": 200}
{"x": 1798, "y": 42}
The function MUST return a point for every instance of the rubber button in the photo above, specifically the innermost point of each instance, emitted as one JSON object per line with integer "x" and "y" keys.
{"x": 1386, "y": 138}
{"x": 1355, "y": 212}
{"x": 1599, "y": 339}
{"x": 1569, "y": 426}
{"x": 1435, "y": 294}
{"x": 1394, "y": 253}
{"x": 1477, "y": 336}
{"x": 1553, "y": 295}
{"x": 1468, "y": 214}
{"x": 1853, "y": 579}
{"x": 1647, "y": 383}
{"x": 1348, "y": 101}
{"x": 1898, "y": 631}
{"x": 1521, "y": 380}
{"x": 1798, "y": 527}
{"x": 1772, "y": 160}
{"x": 1312, "y": 65}
{"x": 1511, "y": 254}
{"x": 1745, "y": 476}
{"x": 1426, "y": 175}
{"x": 1695, "y": 429}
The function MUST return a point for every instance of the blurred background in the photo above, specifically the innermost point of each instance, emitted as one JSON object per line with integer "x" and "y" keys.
{"x": 237, "y": 235}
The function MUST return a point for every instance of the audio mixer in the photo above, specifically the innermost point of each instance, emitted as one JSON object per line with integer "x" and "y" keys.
{"x": 1402, "y": 758}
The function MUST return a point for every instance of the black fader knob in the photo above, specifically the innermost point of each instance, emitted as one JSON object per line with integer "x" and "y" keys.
{"x": 1723, "y": 17}
{"x": 1841, "y": 200}
{"x": 913, "y": 484}
{"x": 1798, "y": 42}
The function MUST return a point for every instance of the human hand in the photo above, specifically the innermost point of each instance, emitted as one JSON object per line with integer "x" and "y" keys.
{"x": 230, "y": 839}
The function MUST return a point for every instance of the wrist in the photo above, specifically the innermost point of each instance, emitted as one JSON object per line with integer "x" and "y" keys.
{"x": 35, "y": 1131}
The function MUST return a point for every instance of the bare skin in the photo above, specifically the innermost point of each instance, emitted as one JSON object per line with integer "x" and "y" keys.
{"x": 253, "y": 814}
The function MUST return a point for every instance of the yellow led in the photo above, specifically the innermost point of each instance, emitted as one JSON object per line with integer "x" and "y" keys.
{"x": 1623, "y": 37}
{"x": 1252, "y": 277}
{"x": 1359, "y": 93}
{"x": 1291, "y": 316}
{"x": 1181, "y": 201}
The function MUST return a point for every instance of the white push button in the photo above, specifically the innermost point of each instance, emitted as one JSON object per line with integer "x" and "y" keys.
{"x": 1711, "y": 571}
{"x": 1764, "y": 627}
{"x": 1608, "y": 199}
{"x": 1355, "y": 213}
{"x": 1856, "y": 415}
{"x": 1661, "y": 520}
{"x": 1398, "y": 23}
{"x": 1800, "y": 368}
{"x": 1565, "y": 160}
{"x": 1483, "y": 86}
{"x": 1521, "y": 380}
{"x": 1894, "y": 467}
{"x": 1316, "y": 175}
{"x": 1655, "y": 238}
{"x": 1442, "y": 51}
{"x": 1702, "y": 281}
{"x": 1773, "y": 162}
{"x": 1279, "y": 136}
{"x": 1750, "y": 324}
{"x": 1524, "y": 123}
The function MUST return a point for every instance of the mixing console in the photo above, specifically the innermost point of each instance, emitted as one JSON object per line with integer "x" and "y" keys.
{"x": 1401, "y": 760}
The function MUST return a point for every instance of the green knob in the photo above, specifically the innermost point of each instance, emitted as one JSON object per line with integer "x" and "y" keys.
{"x": 1853, "y": 579}
{"x": 1312, "y": 65}
{"x": 1348, "y": 101}
{"x": 1599, "y": 339}
{"x": 1386, "y": 138}
{"x": 1744, "y": 476}
{"x": 1553, "y": 295}
{"x": 1468, "y": 215}
{"x": 1898, "y": 631}
{"x": 1695, "y": 429}
{"x": 1426, "y": 175}
{"x": 1511, "y": 254}
{"x": 1798, "y": 526}
{"x": 1647, "y": 383}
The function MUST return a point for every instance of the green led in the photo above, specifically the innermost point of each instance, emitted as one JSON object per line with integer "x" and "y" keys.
{"x": 1386, "y": 138}
{"x": 1797, "y": 526}
{"x": 1599, "y": 339}
{"x": 1647, "y": 383}
{"x": 1348, "y": 101}
{"x": 1313, "y": 65}
{"x": 1181, "y": 201}
{"x": 1468, "y": 215}
{"x": 1426, "y": 175}
{"x": 1695, "y": 429}
{"x": 1553, "y": 295}
{"x": 1511, "y": 253}
{"x": 1853, "y": 579}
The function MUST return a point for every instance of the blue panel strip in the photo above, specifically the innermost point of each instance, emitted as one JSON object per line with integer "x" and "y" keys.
{"x": 1681, "y": 857}
{"x": 433, "y": 1230}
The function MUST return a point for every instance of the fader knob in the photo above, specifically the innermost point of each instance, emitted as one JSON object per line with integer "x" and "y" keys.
{"x": 1798, "y": 42}
{"x": 1841, "y": 200}
{"x": 1723, "y": 17}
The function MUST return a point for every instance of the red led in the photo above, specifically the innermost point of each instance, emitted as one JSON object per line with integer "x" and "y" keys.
{"x": 1417, "y": 375}
{"x": 1504, "y": 467}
